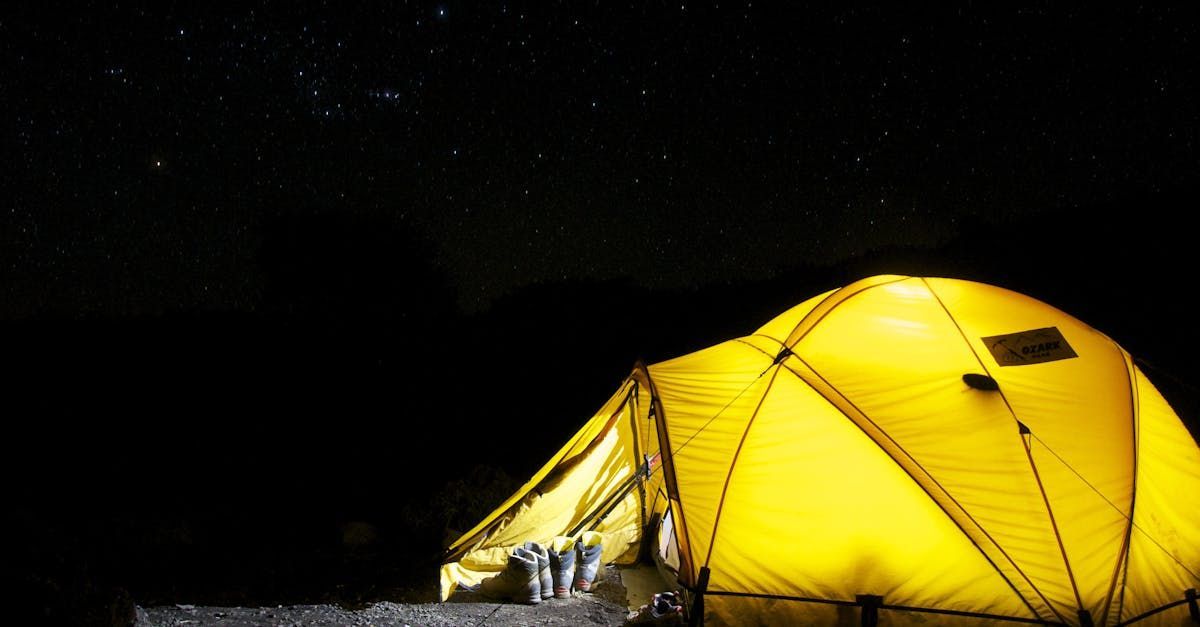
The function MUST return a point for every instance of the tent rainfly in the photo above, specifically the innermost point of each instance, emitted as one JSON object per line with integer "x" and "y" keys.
{"x": 902, "y": 450}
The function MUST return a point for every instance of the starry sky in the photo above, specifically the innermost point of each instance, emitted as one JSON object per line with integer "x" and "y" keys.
{"x": 673, "y": 144}
{"x": 282, "y": 244}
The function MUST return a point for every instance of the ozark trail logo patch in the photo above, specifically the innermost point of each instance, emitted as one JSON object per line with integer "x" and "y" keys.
{"x": 1029, "y": 347}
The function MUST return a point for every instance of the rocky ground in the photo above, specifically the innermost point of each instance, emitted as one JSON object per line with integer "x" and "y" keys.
{"x": 606, "y": 606}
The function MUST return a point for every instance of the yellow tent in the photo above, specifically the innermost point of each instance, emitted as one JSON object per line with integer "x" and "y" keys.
{"x": 903, "y": 450}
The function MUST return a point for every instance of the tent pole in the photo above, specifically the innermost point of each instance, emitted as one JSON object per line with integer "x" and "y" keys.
{"x": 687, "y": 572}
{"x": 608, "y": 505}
{"x": 870, "y": 604}
{"x": 638, "y": 451}
{"x": 696, "y": 616}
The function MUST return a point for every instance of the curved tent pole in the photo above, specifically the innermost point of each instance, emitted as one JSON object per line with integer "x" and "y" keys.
{"x": 687, "y": 574}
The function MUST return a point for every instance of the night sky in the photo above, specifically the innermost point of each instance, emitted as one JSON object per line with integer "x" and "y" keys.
{"x": 676, "y": 145}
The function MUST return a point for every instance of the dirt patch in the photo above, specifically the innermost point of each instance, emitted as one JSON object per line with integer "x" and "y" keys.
{"x": 604, "y": 607}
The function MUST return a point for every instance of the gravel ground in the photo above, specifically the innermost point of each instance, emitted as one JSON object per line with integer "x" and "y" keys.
{"x": 606, "y": 606}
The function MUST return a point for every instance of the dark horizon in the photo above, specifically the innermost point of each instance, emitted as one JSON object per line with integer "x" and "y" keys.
{"x": 222, "y": 457}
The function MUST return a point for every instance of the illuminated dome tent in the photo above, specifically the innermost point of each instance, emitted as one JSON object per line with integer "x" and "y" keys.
{"x": 903, "y": 450}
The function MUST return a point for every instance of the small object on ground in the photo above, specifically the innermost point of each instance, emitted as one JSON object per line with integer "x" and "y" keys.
{"x": 664, "y": 608}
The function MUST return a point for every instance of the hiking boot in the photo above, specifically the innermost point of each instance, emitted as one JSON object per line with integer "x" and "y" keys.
{"x": 587, "y": 560}
{"x": 543, "y": 560}
{"x": 518, "y": 582}
{"x": 562, "y": 566}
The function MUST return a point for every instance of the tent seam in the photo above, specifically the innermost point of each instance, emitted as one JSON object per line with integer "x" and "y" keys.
{"x": 733, "y": 464}
{"x": 1137, "y": 447}
{"x": 769, "y": 355}
{"x": 670, "y": 481}
{"x": 935, "y": 482}
{"x": 948, "y": 515}
{"x": 831, "y": 309}
{"x": 1003, "y": 396}
{"x": 1145, "y": 615}
{"x": 1053, "y": 522}
{"x": 886, "y": 606}
{"x": 1123, "y": 556}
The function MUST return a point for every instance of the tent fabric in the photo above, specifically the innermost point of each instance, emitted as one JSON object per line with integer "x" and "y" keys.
{"x": 838, "y": 458}
{"x": 570, "y": 489}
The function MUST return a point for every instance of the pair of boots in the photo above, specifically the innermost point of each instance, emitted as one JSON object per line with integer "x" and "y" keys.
{"x": 533, "y": 573}
{"x": 580, "y": 558}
